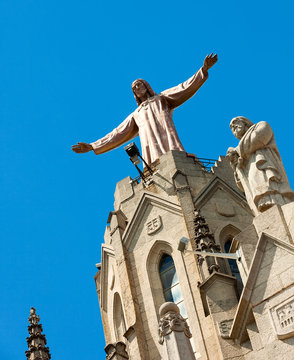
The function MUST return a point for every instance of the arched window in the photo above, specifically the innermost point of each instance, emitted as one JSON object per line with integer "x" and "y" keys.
{"x": 170, "y": 283}
{"x": 233, "y": 265}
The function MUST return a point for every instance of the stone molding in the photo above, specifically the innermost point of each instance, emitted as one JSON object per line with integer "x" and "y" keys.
{"x": 218, "y": 184}
{"x": 106, "y": 253}
{"x": 146, "y": 200}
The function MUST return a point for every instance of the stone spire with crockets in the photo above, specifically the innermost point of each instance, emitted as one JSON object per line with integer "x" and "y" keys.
{"x": 204, "y": 241}
{"x": 36, "y": 341}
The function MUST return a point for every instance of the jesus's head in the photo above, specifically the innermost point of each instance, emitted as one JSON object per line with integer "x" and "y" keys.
{"x": 142, "y": 90}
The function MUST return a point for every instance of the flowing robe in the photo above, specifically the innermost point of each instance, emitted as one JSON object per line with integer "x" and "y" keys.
{"x": 260, "y": 172}
{"x": 153, "y": 121}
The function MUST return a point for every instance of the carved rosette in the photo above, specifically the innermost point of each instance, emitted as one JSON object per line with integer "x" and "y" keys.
{"x": 116, "y": 350}
{"x": 171, "y": 321}
{"x": 36, "y": 341}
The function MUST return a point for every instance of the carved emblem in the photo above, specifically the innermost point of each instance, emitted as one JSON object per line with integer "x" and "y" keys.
{"x": 282, "y": 317}
{"x": 153, "y": 225}
{"x": 224, "y": 328}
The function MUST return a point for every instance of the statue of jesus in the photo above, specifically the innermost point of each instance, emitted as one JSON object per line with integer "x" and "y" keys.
{"x": 152, "y": 120}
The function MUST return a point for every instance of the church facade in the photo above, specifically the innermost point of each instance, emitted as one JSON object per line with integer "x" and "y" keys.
{"x": 158, "y": 302}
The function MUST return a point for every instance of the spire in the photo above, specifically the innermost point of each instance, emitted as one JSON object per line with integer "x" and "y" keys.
{"x": 36, "y": 341}
{"x": 204, "y": 241}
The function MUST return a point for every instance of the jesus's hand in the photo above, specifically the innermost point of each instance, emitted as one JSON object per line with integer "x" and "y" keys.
{"x": 82, "y": 147}
{"x": 209, "y": 61}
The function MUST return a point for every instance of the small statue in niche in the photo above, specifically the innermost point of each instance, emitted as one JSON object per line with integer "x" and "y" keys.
{"x": 258, "y": 168}
{"x": 152, "y": 120}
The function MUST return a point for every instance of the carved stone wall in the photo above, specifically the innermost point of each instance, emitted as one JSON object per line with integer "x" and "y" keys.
{"x": 154, "y": 220}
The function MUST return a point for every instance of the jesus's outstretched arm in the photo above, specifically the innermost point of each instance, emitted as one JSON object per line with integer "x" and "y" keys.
{"x": 126, "y": 131}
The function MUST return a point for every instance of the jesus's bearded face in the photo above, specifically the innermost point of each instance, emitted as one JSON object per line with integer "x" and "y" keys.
{"x": 140, "y": 89}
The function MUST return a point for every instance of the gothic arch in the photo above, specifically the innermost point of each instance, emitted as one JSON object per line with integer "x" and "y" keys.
{"x": 118, "y": 318}
{"x": 225, "y": 238}
{"x": 156, "y": 252}
{"x": 226, "y": 234}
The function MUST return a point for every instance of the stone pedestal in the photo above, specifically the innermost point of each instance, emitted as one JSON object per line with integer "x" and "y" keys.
{"x": 174, "y": 333}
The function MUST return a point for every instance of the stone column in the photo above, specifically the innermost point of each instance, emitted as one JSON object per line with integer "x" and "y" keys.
{"x": 174, "y": 333}
{"x": 116, "y": 351}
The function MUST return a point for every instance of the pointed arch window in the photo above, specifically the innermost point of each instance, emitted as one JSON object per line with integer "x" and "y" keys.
{"x": 170, "y": 283}
{"x": 233, "y": 265}
{"x": 118, "y": 318}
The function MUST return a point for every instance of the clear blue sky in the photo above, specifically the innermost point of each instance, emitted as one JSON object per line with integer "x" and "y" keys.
{"x": 66, "y": 70}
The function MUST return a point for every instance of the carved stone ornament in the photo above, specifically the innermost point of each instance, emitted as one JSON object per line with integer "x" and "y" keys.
{"x": 36, "y": 341}
{"x": 224, "y": 328}
{"x": 118, "y": 348}
{"x": 154, "y": 225}
{"x": 282, "y": 317}
{"x": 172, "y": 320}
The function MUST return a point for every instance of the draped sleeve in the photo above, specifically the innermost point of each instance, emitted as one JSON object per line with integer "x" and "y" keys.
{"x": 126, "y": 131}
{"x": 257, "y": 137}
{"x": 177, "y": 95}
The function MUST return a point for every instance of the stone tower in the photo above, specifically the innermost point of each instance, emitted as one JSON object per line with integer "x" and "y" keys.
{"x": 159, "y": 303}
{"x": 36, "y": 341}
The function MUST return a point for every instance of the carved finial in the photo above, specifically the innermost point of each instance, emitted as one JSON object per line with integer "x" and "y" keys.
{"x": 36, "y": 341}
{"x": 203, "y": 237}
{"x": 204, "y": 241}
{"x": 32, "y": 311}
